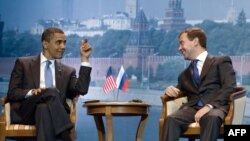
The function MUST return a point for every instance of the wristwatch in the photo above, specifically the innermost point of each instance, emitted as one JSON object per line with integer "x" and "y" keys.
{"x": 210, "y": 106}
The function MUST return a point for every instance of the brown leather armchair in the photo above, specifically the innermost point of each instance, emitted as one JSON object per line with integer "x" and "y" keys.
{"x": 20, "y": 130}
{"x": 234, "y": 116}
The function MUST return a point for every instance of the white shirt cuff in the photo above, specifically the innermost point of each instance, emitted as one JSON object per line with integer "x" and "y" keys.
{"x": 86, "y": 64}
{"x": 28, "y": 94}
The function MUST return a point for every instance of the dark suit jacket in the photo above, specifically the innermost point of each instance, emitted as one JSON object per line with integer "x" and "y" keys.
{"x": 26, "y": 76}
{"x": 217, "y": 83}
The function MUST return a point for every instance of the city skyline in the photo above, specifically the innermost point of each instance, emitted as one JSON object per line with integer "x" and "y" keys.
{"x": 23, "y": 14}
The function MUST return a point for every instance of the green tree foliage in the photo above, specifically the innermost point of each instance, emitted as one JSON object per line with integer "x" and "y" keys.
{"x": 169, "y": 70}
{"x": 169, "y": 45}
{"x": 130, "y": 71}
{"x": 111, "y": 42}
{"x": 73, "y": 46}
{"x": 222, "y": 38}
{"x": 20, "y": 44}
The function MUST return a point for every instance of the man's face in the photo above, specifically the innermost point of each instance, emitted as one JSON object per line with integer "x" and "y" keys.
{"x": 54, "y": 49}
{"x": 186, "y": 47}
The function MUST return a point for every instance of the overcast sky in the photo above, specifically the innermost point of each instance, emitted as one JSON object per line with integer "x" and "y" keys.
{"x": 24, "y": 13}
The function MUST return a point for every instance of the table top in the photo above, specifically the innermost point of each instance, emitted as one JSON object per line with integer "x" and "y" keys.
{"x": 113, "y": 103}
{"x": 117, "y": 108}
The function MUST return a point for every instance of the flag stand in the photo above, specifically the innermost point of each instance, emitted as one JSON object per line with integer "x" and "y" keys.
{"x": 117, "y": 95}
{"x": 114, "y": 94}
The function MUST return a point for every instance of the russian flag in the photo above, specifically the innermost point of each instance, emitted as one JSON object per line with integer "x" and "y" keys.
{"x": 122, "y": 80}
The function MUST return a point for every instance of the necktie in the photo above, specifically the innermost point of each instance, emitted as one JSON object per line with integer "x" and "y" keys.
{"x": 196, "y": 75}
{"x": 48, "y": 75}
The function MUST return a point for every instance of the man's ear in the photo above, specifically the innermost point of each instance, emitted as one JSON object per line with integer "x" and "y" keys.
{"x": 196, "y": 41}
{"x": 45, "y": 44}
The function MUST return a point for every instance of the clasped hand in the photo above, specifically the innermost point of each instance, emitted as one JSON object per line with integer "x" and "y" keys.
{"x": 172, "y": 91}
{"x": 37, "y": 91}
{"x": 85, "y": 50}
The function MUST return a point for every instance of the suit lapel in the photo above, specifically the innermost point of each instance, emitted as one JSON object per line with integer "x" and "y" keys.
{"x": 206, "y": 66}
{"x": 58, "y": 74}
{"x": 35, "y": 68}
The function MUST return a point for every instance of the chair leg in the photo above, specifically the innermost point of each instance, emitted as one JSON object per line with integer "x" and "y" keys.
{"x": 73, "y": 134}
{"x": 2, "y": 137}
{"x": 2, "y": 130}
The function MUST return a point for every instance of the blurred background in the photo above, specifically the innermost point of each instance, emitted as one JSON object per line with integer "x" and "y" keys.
{"x": 141, "y": 35}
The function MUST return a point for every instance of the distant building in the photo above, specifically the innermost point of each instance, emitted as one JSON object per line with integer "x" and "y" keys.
{"x": 241, "y": 20}
{"x": 92, "y": 23}
{"x": 89, "y": 27}
{"x": 232, "y": 14}
{"x": 131, "y": 7}
{"x": 174, "y": 18}
{"x": 68, "y": 9}
{"x": 119, "y": 21}
{"x": 37, "y": 29}
{"x": 139, "y": 45}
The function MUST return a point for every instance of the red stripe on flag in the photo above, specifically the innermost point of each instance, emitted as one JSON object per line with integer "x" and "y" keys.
{"x": 125, "y": 85}
{"x": 109, "y": 84}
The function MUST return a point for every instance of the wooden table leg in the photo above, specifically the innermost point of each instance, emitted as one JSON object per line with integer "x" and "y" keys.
{"x": 100, "y": 128}
{"x": 141, "y": 127}
{"x": 109, "y": 123}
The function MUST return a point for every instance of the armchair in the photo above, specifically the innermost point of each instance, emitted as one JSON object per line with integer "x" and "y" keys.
{"x": 20, "y": 130}
{"x": 234, "y": 116}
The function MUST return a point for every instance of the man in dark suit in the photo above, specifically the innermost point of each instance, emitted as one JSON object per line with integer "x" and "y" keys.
{"x": 207, "y": 82}
{"x": 39, "y": 86}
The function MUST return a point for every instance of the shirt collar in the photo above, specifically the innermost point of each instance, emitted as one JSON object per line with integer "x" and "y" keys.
{"x": 44, "y": 59}
{"x": 202, "y": 57}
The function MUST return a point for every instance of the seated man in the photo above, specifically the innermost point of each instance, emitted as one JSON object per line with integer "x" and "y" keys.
{"x": 207, "y": 82}
{"x": 39, "y": 86}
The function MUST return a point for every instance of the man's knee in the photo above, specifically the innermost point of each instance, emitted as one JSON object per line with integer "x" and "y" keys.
{"x": 42, "y": 107}
{"x": 50, "y": 93}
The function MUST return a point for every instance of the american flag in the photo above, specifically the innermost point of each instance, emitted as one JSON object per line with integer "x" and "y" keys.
{"x": 109, "y": 83}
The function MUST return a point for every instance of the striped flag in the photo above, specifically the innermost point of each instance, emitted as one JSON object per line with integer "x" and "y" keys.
{"x": 122, "y": 80}
{"x": 109, "y": 83}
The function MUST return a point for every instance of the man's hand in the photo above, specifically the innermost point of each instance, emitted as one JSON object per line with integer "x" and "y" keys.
{"x": 85, "y": 50}
{"x": 172, "y": 91}
{"x": 201, "y": 113}
{"x": 37, "y": 91}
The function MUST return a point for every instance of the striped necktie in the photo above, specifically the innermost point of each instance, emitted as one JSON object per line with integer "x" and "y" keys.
{"x": 196, "y": 75}
{"x": 48, "y": 75}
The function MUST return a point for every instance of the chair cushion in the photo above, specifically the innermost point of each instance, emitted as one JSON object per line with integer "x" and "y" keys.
{"x": 20, "y": 127}
{"x": 194, "y": 124}
{"x": 239, "y": 109}
{"x": 174, "y": 105}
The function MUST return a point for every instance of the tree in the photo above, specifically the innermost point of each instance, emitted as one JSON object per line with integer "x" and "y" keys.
{"x": 170, "y": 70}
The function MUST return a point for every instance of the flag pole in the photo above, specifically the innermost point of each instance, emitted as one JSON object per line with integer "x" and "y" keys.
{"x": 114, "y": 94}
{"x": 117, "y": 95}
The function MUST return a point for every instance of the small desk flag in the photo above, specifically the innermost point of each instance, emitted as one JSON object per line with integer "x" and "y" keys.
{"x": 109, "y": 83}
{"x": 122, "y": 80}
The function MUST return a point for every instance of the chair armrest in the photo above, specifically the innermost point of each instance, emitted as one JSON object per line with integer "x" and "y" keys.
{"x": 2, "y": 115}
{"x": 73, "y": 108}
{"x": 3, "y": 100}
{"x": 5, "y": 114}
{"x": 164, "y": 100}
{"x": 237, "y": 101}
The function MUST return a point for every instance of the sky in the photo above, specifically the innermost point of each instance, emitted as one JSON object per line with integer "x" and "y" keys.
{"x": 23, "y": 14}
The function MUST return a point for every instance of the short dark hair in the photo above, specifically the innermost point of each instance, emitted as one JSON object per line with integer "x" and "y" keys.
{"x": 195, "y": 32}
{"x": 48, "y": 33}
